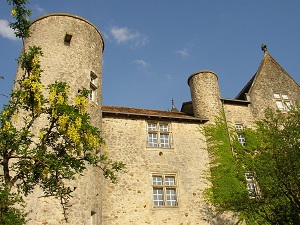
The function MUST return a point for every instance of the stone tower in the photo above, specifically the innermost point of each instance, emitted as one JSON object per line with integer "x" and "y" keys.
{"x": 205, "y": 94}
{"x": 72, "y": 52}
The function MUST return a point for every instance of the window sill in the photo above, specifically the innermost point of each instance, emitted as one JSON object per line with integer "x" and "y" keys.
{"x": 166, "y": 207}
{"x": 159, "y": 148}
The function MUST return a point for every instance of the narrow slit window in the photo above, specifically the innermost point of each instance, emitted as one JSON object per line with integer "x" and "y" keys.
{"x": 68, "y": 38}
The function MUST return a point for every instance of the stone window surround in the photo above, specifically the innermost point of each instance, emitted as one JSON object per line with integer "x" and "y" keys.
{"x": 159, "y": 138}
{"x": 167, "y": 183}
{"x": 252, "y": 186}
{"x": 93, "y": 86}
{"x": 282, "y": 100}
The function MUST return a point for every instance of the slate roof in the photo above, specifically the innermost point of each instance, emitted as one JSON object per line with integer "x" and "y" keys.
{"x": 117, "y": 111}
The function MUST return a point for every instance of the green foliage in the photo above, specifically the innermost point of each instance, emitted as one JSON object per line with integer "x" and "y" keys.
{"x": 62, "y": 147}
{"x": 227, "y": 173}
{"x": 272, "y": 152}
{"x": 21, "y": 15}
{"x": 9, "y": 214}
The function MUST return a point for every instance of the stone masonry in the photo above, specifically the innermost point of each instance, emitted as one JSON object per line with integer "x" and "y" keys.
{"x": 165, "y": 151}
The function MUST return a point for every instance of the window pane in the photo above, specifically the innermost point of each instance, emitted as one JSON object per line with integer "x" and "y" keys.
{"x": 239, "y": 127}
{"x": 241, "y": 139}
{"x": 158, "y": 196}
{"x": 152, "y": 140}
{"x": 171, "y": 197}
{"x": 163, "y": 127}
{"x": 251, "y": 189}
{"x": 276, "y": 95}
{"x": 280, "y": 105}
{"x": 151, "y": 126}
{"x": 164, "y": 140}
{"x": 169, "y": 181}
{"x": 284, "y": 96}
{"x": 249, "y": 176}
{"x": 288, "y": 105}
{"x": 156, "y": 180}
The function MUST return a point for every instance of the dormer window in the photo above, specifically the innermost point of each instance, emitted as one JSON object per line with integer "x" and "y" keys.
{"x": 93, "y": 87}
{"x": 283, "y": 102}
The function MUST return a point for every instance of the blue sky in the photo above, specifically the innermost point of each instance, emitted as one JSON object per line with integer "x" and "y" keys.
{"x": 152, "y": 47}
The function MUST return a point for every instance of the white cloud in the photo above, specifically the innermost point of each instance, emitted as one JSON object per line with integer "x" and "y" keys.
{"x": 183, "y": 53}
{"x": 6, "y": 31}
{"x": 141, "y": 63}
{"x": 169, "y": 77}
{"x": 105, "y": 35}
{"x": 39, "y": 9}
{"x": 123, "y": 35}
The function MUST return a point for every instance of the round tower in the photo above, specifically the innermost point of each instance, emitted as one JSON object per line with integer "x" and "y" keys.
{"x": 205, "y": 94}
{"x": 72, "y": 52}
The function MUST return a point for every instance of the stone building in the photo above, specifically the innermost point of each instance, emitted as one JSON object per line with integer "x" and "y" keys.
{"x": 164, "y": 152}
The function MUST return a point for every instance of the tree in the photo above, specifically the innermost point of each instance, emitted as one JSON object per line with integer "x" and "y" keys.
{"x": 59, "y": 150}
{"x": 272, "y": 154}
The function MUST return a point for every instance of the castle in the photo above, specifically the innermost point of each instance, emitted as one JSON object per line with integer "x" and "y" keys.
{"x": 164, "y": 151}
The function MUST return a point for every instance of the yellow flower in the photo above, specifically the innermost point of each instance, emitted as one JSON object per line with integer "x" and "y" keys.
{"x": 73, "y": 134}
{"x": 78, "y": 122}
{"x": 41, "y": 134}
{"x": 92, "y": 140}
{"x": 80, "y": 102}
{"x": 13, "y": 12}
{"x": 62, "y": 122}
{"x": 60, "y": 98}
{"x": 52, "y": 95}
{"x": 7, "y": 126}
{"x": 35, "y": 61}
{"x": 105, "y": 150}
{"x": 5, "y": 112}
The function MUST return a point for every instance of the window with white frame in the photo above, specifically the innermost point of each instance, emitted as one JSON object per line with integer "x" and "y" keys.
{"x": 251, "y": 184}
{"x": 241, "y": 138}
{"x": 159, "y": 134}
{"x": 93, "y": 86}
{"x": 164, "y": 190}
{"x": 283, "y": 102}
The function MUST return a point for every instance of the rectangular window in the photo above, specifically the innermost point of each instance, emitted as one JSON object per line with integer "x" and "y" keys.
{"x": 67, "y": 39}
{"x": 283, "y": 102}
{"x": 93, "y": 86}
{"x": 251, "y": 185}
{"x": 159, "y": 135}
{"x": 241, "y": 138}
{"x": 164, "y": 190}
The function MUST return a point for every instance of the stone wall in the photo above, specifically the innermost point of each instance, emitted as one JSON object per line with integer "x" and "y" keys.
{"x": 131, "y": 200}
{"x": 271, "y": 78}
{"x": 238, "y": 114}
{"x": 205, "y": 94}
